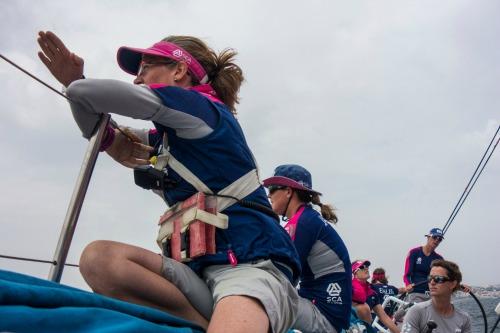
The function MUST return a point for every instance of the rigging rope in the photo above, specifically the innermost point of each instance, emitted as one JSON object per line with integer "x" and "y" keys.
{"x": 53, "y": 262}
{"x": 53, "y": 89}
{"x": 33, "y": 76}
{"x": 472, "y": 182}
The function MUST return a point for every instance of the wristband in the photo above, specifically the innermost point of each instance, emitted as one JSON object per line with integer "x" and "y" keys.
{"x": 109, "y": 137}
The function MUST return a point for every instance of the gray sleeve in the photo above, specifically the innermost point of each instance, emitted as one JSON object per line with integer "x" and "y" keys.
{"x": 92, "y": 97}
{"x": 467, "y": 325}
{"x": 141, "y": 133}
{"x": 411, "y": 321}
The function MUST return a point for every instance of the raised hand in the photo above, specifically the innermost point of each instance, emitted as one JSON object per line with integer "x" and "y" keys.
{"x": 63, "y": 64}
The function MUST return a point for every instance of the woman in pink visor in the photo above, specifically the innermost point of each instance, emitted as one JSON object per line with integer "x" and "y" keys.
{"x": 365, "y": 299}
{"x": 189, "y": 93}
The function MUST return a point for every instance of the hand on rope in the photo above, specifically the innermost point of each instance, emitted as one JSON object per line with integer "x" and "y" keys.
{"x": 128, "y": 149}
{"x": 64, "y": 65}
{"x": 409, "y": 288}
{"x": 465, "y": 288}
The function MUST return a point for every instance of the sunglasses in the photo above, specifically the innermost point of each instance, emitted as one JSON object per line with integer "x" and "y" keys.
{"x": 274, "y": 188}
{"x": 362, "y": 268}
{"x": 438, "y": 238}
{"x": 145, "y": 66}
{"x": 438, "y": 279}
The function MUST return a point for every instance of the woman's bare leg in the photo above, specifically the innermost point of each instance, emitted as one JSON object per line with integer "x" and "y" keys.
{"x": 133, "y": 274}
{"x": 235, "y": 314}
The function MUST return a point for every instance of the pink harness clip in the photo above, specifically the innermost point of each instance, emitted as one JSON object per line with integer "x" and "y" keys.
{"x": 232, "y": 258}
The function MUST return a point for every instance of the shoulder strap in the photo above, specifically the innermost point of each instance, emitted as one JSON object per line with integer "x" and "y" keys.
{"x": 238, "y": 190}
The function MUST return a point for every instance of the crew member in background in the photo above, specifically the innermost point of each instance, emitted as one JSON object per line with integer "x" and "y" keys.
{"x": 444, "y": 280}
{"x": 325, "y": 282}
{"x": 365, "y": 299}
{"x": 418, "y": 265}
{"x": 382, "y": 287}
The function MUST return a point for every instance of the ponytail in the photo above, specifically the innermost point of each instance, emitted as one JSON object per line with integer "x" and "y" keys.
{"x": 226, "y": 78}
{"x": 327, "y": 211}
{"x": 224, "y": 75}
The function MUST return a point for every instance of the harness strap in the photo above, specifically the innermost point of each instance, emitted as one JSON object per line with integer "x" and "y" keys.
{"x": 188, "y": 216}
{"x": 187, "y": 175}
{"x": 239, "y": 189}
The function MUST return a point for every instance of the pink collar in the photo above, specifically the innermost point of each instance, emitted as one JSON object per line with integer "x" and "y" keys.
{"x": 291, "y": 226}
{"x": 204, "y": 89}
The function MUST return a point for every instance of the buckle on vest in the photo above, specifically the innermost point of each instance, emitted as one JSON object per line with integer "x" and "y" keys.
{"x": 187, "y": 229}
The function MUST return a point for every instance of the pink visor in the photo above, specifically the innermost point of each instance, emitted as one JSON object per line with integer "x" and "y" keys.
{"x": 130, "y": 58}
{"x": 357, "y": 264}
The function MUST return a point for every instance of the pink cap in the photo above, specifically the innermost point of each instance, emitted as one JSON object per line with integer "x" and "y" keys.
{"x": 130, "y": 58}
{"x": 357, "y": 264}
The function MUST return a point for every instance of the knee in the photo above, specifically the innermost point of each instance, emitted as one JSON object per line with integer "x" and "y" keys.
{"x": 96, "y": 258}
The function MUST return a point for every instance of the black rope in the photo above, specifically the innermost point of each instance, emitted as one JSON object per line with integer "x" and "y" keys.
{"x": 472, "y": 180}
{"x": 50, "y": 87}
{"x": 470, "y": 189}
{"x": 482, "y": 311}
{"x": 33, "y": 76}
{"x": 249, "y": 204}
{"x": 495, "y": 324}
{"x": 53, "y": 262}
{"x": 245, "y": 203}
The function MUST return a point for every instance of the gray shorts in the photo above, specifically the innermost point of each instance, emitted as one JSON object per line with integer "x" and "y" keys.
{"x": 260, "y": 280}
{"x": 190, "y": 284}
{"x": 311, "y": 320}
{"x": 418, "y": 297}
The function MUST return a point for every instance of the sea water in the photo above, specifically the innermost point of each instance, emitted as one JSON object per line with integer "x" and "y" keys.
{"x": 469, "y": 305}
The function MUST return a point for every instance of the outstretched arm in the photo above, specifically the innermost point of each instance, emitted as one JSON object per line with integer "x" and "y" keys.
{"x": 64, "y": 65}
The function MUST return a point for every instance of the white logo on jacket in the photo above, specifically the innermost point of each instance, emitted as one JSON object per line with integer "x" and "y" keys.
{"x": 334, "y": 291}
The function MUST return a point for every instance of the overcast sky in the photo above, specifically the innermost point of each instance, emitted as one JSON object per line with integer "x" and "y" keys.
{"x": 389, "y": 104}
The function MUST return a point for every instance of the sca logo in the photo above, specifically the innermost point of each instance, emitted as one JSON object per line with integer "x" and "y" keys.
{"x": 334, "y": 291}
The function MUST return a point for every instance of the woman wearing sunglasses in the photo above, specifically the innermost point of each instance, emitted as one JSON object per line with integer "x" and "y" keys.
{"x": 418, "y": 265}
{"x": 189, "y": 93}
{"x": 365, "y": 299}
{"x": 325, "y": 286}
{"x": 444, "y": 279}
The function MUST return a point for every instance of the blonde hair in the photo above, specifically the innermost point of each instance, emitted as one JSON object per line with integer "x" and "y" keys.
{"x": 223, "y": 74}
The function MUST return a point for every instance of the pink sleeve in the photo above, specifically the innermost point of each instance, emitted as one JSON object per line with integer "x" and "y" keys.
{"x": 358, "y": 292}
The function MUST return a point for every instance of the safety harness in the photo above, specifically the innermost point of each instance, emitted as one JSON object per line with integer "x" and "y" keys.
{"x": 187, "y": 229}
